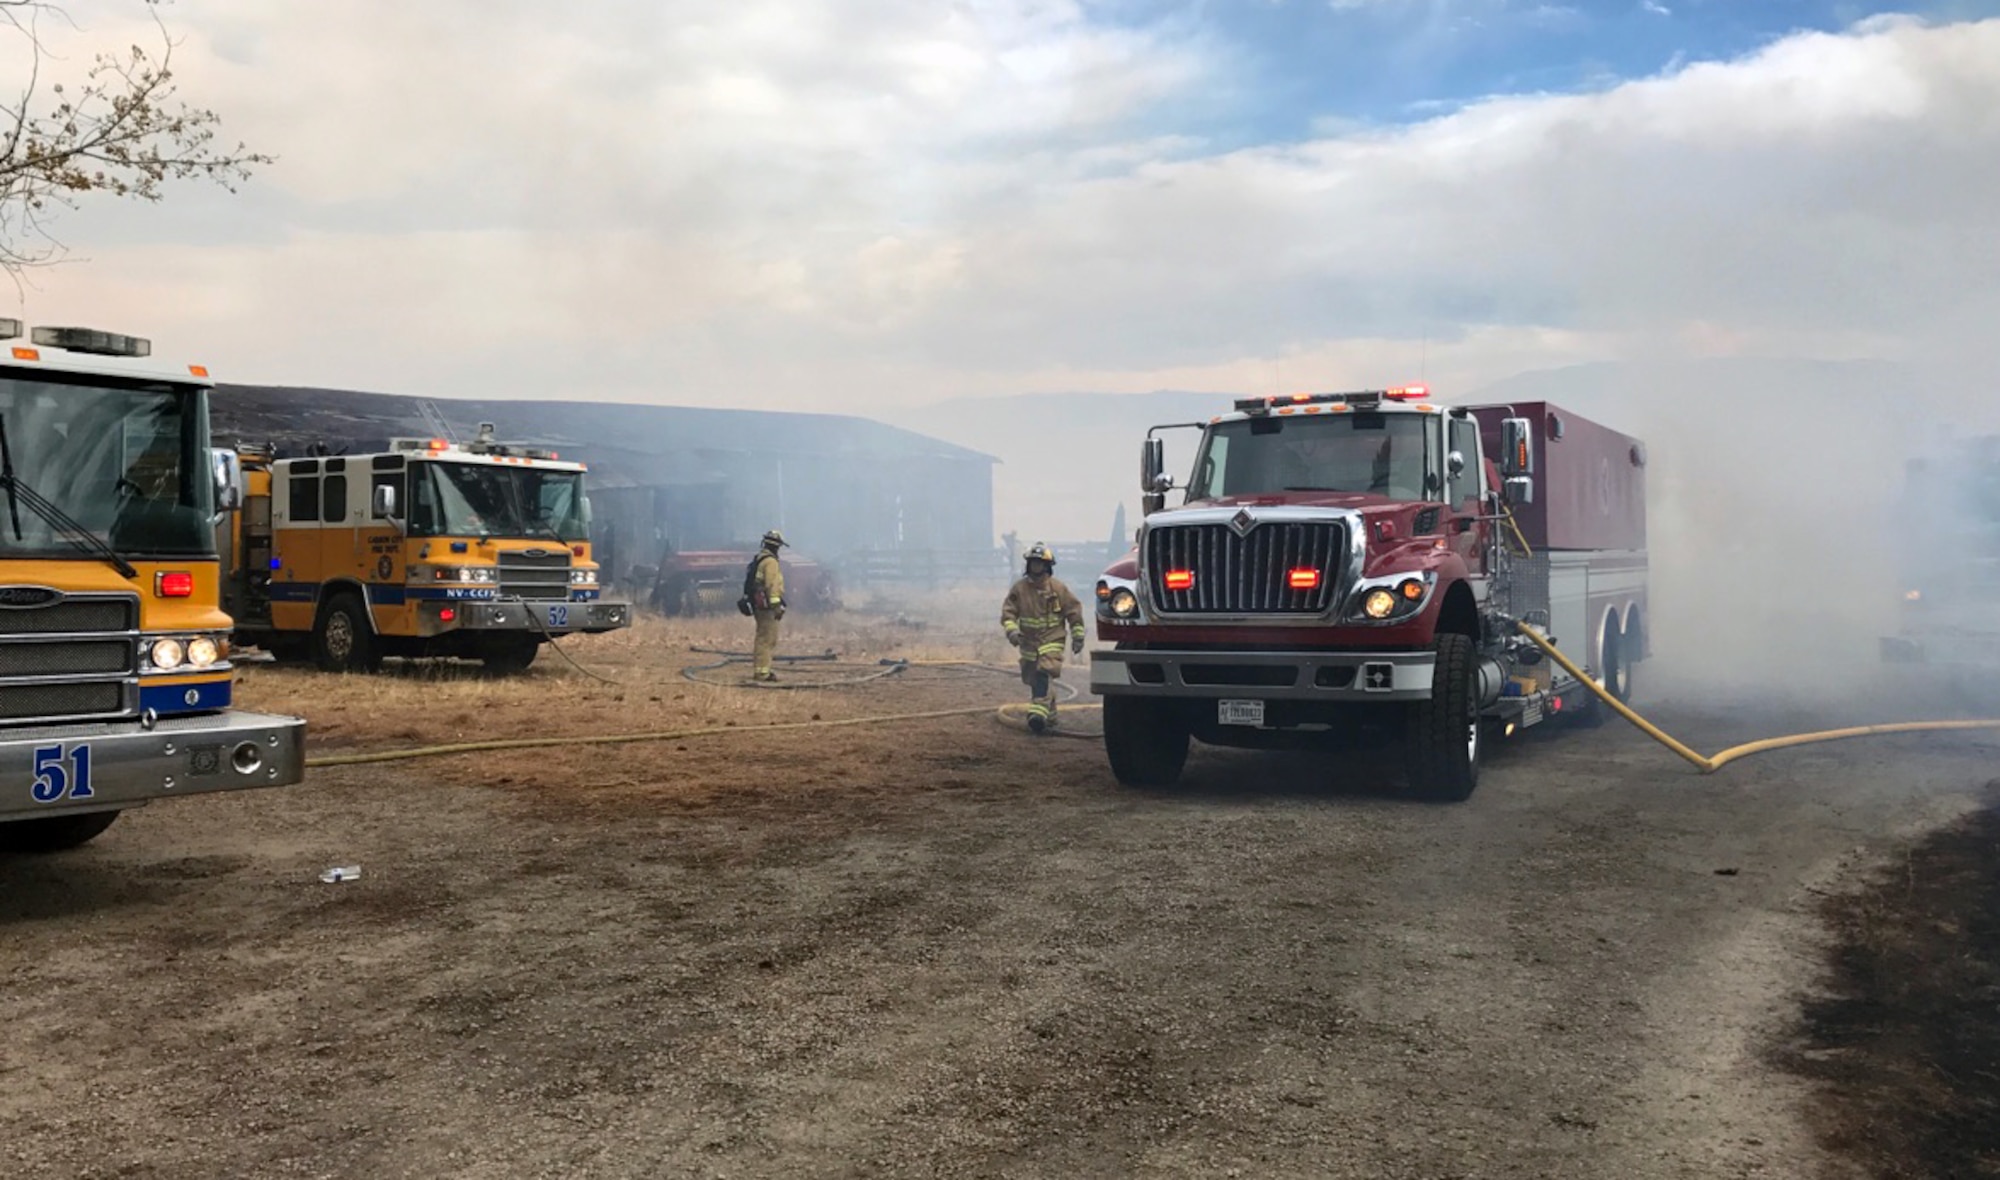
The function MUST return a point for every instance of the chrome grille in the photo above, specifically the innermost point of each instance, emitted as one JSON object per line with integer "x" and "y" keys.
{"x": 75, "y": 658}
{"x": 28, "y": 702}
{"x": 544, "y": 577}
{"x": 72, "y": 615}
{"x": 1247, "y": 574}
{"x": 68, "y": 657}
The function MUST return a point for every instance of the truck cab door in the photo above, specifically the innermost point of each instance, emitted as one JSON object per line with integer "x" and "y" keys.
{"x": 1465, "y": 493}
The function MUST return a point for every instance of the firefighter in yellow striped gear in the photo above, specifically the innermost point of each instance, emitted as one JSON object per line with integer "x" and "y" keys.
{"x": 764, "y": 599}
{"x": 1039, "y": 615}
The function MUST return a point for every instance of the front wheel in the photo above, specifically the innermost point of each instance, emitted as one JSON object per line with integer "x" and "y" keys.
{"x": 344, "y": 639}
{"x": 1444, "y": 738}
{"x": 57, "y": 833}
{"x": 1146, "y": 742}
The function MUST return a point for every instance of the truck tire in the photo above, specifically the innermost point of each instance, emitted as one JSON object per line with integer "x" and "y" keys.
{"x": 1443, "y": 736}
{"x": 1146, "y": 742}
{"x": 1617, "y": 678}
{"x": 57, "y": 833}
{"x": 510, "y": 654}
{"x": 343, "y": 637}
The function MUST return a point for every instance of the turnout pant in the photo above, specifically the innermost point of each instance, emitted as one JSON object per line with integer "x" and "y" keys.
{"x": 1040, "y": 678}
{"x": 767, "y": 642}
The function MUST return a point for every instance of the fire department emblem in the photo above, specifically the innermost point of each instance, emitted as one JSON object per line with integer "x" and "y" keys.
{"x": 1242, "y": 522}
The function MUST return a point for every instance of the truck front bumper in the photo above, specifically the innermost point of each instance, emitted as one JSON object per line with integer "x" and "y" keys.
{"x": 535, "y": 618}
{"x": 63, "y": 769}
{"x": 1284, "y": 676}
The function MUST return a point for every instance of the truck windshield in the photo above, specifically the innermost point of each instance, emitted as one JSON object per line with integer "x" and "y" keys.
{"x": 1363, "y": 452}
{"x": 124, "y": 462}
{"x": 479, "y": 499}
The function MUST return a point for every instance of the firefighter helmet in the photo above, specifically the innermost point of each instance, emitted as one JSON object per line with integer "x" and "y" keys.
{"x": 1042, "y": 553}
{"x": 774, "y": 540}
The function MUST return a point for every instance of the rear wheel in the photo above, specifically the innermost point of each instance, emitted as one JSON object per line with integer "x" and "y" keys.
{"x": 343, "y": 639}
{"x": 54, "y": 834}
{"x": 1444, "y": 738}
{"x": 1616, "y": 677}
{"x": 1146, "y": 742}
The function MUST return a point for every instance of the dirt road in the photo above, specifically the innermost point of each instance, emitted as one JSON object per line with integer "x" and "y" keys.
{"x": 948, "y": 948}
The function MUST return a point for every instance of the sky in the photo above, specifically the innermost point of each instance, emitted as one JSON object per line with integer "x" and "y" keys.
{"x": 877, "y": 205}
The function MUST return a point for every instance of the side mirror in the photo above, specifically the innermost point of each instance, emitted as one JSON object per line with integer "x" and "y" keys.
{"x": 1455, "y": 463}
{"x": 228, "y": 480}
{"x": 1520, "y": 490}
{"x": 585, "y": 506}
{"x": 1517, "y": 455}
{"x": 384, "y": 504}
{"x": 1152, "y": 465}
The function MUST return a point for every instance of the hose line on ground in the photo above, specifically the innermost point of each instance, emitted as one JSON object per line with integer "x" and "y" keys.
{"x": 1709, "y": 764}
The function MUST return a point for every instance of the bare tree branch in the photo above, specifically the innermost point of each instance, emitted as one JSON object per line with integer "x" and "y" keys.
{"x": 123, "y": 132}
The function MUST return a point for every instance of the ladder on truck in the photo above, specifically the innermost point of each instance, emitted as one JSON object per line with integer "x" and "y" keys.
{"x": 434, "y": 419}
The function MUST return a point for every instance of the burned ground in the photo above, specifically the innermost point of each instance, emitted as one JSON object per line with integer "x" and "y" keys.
{"x": 1905, "y": 1039}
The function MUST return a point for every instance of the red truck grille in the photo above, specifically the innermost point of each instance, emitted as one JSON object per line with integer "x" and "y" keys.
{"x": 1210, "y": 569}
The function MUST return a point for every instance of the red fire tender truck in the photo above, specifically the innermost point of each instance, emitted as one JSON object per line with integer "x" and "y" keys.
{"x": 1348, "y": 559}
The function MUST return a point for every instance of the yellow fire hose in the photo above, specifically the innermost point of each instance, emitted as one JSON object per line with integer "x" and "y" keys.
{"x": 1711, "y": 763}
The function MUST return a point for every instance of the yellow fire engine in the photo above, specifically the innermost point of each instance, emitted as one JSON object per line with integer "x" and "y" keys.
{"x": 426, "y": 549}
{"x": 114, "y": 650}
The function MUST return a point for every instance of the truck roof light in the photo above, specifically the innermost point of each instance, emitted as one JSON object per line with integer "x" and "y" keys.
{"x": 10, "y": 329}
{"x": 1407, "y": 393}
{"x": 92, "y": 340}
{"x": 197, "y": 370}
{"x": 26, "y": 354}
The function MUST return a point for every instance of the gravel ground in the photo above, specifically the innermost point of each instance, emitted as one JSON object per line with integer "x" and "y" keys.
{"x": 948, "y": 948}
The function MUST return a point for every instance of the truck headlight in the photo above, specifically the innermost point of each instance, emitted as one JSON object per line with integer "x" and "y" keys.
{"x": 1379, "y": 604}
{"x": 202, "y": 651}
{"x": 1124, "y": 604}
{"x": 482, "y": 574}
{"x": 167, "y": 654}
{"x": 583, "y": 577}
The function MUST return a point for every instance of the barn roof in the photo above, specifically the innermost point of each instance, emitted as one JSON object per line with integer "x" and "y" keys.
{"x": 294, "y": 416}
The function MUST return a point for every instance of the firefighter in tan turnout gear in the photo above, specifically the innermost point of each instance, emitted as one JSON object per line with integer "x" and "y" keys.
{"x": 764, "y": 599}
{"x": 1039, "y": 615}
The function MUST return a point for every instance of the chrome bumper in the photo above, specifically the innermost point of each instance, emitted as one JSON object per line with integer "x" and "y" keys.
{"x": 57, "y": 769}
{"x": 538, "y": 618}
{"x": 1277, "y": 676}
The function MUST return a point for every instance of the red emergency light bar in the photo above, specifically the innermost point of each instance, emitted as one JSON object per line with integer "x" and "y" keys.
{"x": 1365, "y": 397}
{"x": 1180, "y": 579}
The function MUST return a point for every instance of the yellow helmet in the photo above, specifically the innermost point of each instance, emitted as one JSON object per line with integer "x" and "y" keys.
{"x": 1041, "y": 552}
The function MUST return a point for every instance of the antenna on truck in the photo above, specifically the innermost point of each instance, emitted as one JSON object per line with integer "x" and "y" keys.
{"x": 434, "y": 418}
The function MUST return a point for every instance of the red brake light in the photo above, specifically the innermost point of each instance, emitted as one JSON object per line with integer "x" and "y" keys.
{"x": 446, "y": 614}
{"x": 174, "y": 584}
{"x": 1303, "y": 579}
{"x": 1180, "y": 579}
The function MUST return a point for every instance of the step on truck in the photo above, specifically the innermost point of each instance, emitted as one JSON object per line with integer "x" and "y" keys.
{"x": 1352, "y": 562}
{"x": 115, "y": 674}
{"x": 429, "y": 548}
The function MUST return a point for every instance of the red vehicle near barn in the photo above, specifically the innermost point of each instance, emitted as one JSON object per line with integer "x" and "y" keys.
{"x": 1346, "y": 560}
{"x": 707, "y": 581}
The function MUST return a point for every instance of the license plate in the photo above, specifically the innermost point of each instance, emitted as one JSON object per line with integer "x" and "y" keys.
{"x": 1241, "y": 712}
{"x": 559, "y": 615}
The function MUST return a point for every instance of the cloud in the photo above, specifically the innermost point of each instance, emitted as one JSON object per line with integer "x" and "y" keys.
{"x": 860, "y": 205}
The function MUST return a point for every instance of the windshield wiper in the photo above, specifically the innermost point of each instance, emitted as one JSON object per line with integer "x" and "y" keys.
{"x": 19, "y": 493}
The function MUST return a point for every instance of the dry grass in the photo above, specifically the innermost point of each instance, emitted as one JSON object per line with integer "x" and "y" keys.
{"x": 435, "y": 702}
